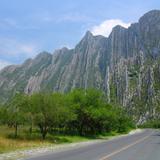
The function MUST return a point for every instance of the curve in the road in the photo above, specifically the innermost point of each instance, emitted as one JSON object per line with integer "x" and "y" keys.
{"x": 138, "y": 146}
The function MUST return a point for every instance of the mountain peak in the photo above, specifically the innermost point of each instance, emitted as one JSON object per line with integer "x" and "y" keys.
{"x": 151, "y": 15}
{"x": 97, "y": 62}
{"x": 118, "y": 27}
{"x": 43, "y": 54}
{"x": 88, "y": 34}
{"x": 152, "y": 12}
{"x": 64, "y": 49}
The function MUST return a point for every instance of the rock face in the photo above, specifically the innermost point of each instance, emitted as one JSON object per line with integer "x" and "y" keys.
{"x": 126, "y": 65}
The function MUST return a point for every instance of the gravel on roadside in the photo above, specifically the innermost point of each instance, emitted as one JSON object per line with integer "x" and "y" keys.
{"x": 21, "y": 154}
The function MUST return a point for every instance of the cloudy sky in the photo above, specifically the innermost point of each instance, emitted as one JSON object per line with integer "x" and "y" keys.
{"x": 30, "y": 26}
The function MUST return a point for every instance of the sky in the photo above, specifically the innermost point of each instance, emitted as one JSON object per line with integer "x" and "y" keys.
{"x": 28, "y": 27}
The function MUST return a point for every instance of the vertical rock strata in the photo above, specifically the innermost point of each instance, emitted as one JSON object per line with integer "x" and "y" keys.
{"x": 125, "y": 65}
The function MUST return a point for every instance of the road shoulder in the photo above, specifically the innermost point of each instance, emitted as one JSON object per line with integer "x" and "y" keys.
{"x": 21, "y": 154}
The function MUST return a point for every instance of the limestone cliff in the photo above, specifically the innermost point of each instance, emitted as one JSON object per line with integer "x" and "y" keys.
{"x": 125, "y": 65}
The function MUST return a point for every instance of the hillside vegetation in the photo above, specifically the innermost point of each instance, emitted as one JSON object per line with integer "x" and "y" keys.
{"x": 45, "y": 118}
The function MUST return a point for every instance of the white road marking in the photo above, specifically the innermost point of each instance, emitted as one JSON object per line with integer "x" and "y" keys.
{"x": 124, "y": 148}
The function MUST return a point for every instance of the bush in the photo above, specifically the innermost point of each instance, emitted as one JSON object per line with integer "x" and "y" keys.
{"x": 81, "y": 112}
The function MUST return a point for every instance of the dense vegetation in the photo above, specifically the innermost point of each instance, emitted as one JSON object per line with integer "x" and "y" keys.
{"x": 154, "y": 123}
{"x": 80, "y": 112}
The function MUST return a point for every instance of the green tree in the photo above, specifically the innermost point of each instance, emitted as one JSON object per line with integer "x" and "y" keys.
{"x": 15, "y": 113}
{"x": 49, "y": 111}
{"x": 3, "y": 115}
{"x": 85, "y": 104}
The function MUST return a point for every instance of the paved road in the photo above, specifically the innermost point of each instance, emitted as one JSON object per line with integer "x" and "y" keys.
{"x": 140, "y": 146}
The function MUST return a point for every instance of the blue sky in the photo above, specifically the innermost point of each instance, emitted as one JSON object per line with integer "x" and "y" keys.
{"x": 30, "y": 26}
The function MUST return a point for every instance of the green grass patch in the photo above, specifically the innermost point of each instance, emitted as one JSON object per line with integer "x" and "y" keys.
{"x": 27, "y": 141}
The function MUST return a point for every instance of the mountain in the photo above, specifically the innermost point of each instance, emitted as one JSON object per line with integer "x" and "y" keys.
{"x": 126, "y": 65}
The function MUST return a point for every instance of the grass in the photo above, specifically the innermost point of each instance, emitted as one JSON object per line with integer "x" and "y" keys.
{"x": 8, "y": 143}
{"x": 27, "y": 141}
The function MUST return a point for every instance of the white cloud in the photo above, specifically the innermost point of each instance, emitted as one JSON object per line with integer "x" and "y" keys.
{"x": 9, "y": 23}
{"x": 3, "y": 64}
{"x": 106, "y": 26}
{"x": 14, "y": 48}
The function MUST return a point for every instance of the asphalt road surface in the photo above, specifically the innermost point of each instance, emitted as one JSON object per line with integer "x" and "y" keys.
{"x": 140, "y": 146}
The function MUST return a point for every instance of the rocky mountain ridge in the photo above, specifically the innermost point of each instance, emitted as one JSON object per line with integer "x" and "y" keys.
{"x": 125, "y": 65}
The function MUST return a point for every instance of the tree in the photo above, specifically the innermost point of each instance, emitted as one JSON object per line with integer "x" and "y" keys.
{"x": 94, "y": 115}
{"x": 87, "y": 105}
{"x": 49, "y": 111}
{"x": 124, "y": 122}
{"x": 42, "y": 112}
{"x": 15, "y": 112}
{"x": 3, "y": 115}
{"x": 84, "y": 112}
